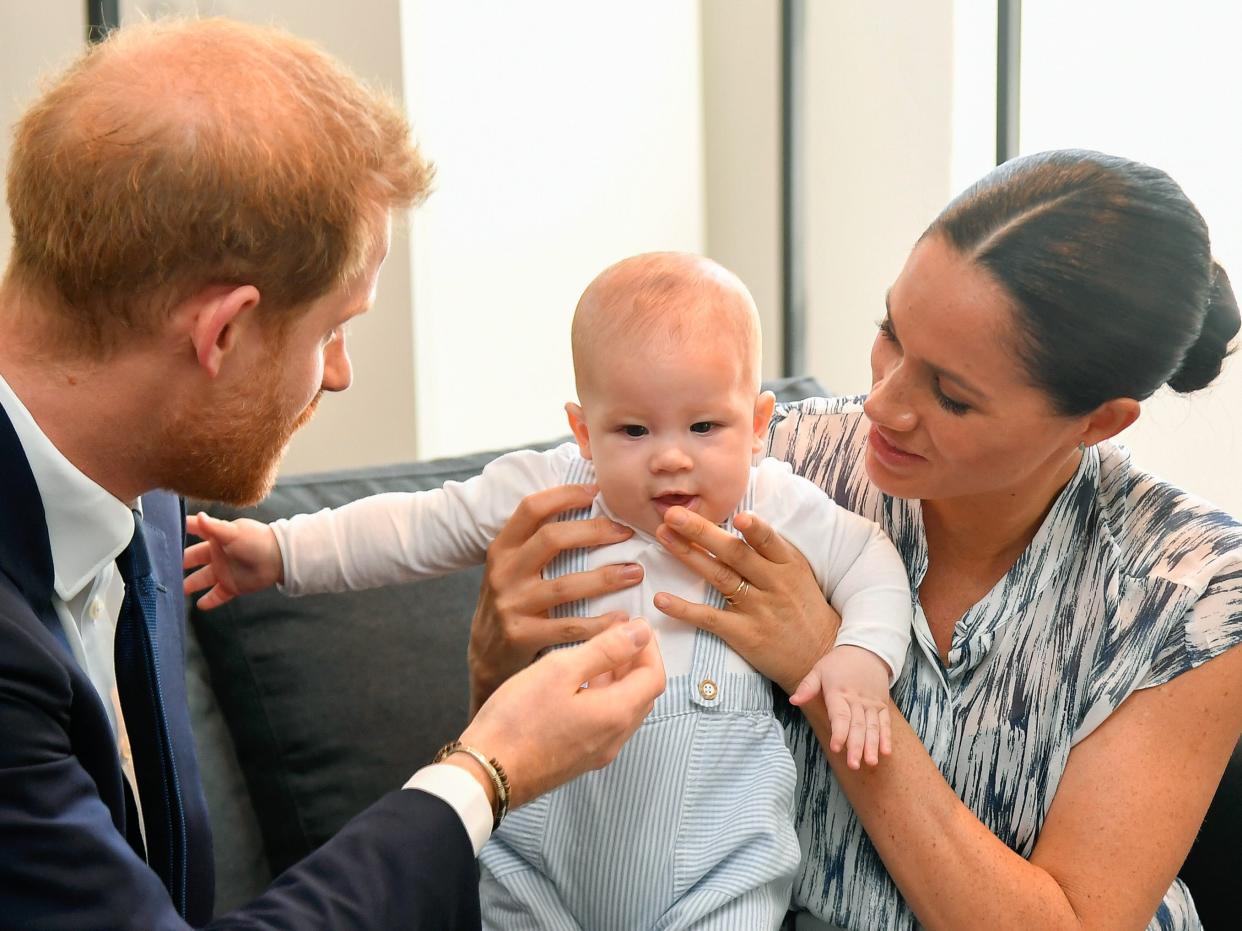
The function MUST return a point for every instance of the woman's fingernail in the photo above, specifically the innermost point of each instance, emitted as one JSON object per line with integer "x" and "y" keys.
{"x": 620, "y": 528}
{"x": 676, "y": 517}
{"x": 661, "y": 601}
{"x": 631, "y": 572}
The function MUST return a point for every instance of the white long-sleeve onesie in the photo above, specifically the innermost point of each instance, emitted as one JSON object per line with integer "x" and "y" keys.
{"x": 401, "y": 537}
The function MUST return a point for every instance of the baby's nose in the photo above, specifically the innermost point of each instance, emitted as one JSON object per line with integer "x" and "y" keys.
{"x": 671, "y": 458}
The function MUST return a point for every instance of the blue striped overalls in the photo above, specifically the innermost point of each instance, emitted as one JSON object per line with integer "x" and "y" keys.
{"x": 690, "y": 827}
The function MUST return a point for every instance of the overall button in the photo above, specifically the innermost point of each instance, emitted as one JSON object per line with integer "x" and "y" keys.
{"x": 709, "y": 690}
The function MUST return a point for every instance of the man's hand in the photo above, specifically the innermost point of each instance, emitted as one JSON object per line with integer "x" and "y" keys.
{"x": 545, "y": 729}
{"x": 236, "y": 557}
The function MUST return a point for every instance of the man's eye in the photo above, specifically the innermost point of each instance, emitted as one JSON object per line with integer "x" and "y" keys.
{"x": 634, "y": 430}
{"x": 703, "y": 426}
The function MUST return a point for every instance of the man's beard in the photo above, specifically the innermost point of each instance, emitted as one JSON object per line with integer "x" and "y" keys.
{"x": 229, "y": 449}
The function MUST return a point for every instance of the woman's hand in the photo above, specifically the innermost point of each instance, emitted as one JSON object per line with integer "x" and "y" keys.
{"x": 778, "y": 620}
{"x": 511, "y": 623}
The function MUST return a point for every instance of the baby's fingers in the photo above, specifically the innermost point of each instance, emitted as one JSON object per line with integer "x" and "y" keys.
{"x": 214, "y": 598}
{"x": 858, "y": 736}
{"x": 871, "y": 748}
{"x": 197, "y": 581}
{"x": 807, "y": 689}
{"x": 197, "y": 555}
{"x": 838, "y": 720}
{"x": 886, "y": 731}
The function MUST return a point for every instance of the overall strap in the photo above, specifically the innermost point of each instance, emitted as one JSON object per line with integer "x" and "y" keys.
{"x": 580, "y": 471}
{"x": 709, "y": 685}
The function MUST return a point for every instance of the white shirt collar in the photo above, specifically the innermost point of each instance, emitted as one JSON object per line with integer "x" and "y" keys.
{"x": 86, "y": 525}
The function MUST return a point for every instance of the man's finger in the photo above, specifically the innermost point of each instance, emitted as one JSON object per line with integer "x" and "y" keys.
{"x": 574, "y": 629}
{"x": 604, "y": 652}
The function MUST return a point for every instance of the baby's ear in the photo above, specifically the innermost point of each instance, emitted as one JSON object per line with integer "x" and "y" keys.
{"x": 577, "y": 423}
{"x": 764, "y": 405}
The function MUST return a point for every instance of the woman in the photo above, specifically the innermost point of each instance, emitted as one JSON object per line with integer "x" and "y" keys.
{"x": 1072, "y": 694}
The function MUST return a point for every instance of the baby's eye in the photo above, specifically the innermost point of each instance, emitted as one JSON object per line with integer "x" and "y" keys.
{"x": 703, "y": 426}
{"x": 633, "y": 429}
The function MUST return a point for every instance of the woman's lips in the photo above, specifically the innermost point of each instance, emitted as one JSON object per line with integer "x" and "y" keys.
{"x": 889, "y": 453}
{"x": 664, "y": 502}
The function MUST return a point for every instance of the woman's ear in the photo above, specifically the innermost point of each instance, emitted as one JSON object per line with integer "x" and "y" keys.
{"x": 577, "y": 423}
{"x": 213, "y": 329}
{"x": 1109, "y": 419}
{"x": 764, "y": 405}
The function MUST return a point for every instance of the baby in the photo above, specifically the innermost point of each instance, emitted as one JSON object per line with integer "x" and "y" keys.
{"x": 692, "y": 824}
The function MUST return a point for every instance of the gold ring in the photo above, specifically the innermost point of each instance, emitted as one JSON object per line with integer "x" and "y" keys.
{"x": 735, "y": 597}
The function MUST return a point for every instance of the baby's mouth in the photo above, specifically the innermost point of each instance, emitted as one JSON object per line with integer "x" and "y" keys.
{"x": 664, "y": 502}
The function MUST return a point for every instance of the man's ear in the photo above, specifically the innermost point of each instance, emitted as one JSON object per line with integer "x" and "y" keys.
{"x": 577, "y": 423}
{"x": 213, "y": 330}
{"x": 763, "y": 416}
{"x": 1109, "y": 419}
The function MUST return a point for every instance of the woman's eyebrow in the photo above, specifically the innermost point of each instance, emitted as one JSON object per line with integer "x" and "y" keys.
{"x": 964, "y": 383}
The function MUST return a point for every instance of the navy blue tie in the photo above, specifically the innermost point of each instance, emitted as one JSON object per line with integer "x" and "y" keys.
{"x": 138, "y": 682}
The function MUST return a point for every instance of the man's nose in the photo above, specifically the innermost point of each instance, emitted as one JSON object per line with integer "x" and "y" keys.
{"x": 338, "y": 371}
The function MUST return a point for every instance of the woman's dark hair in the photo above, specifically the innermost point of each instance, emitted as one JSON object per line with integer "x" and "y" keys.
{"x": 1111, "y": 270}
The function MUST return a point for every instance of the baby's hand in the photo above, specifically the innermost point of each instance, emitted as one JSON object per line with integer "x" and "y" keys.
{"x": 854, "y": 683}
{"x": 236, "y": 556}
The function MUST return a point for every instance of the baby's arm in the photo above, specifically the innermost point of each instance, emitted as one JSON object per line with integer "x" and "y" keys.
{"x": 854, "y": 683}
{"x": 391, "y": 538}
{"x": 865, "y": 579}
{"x": 235, "y": 557}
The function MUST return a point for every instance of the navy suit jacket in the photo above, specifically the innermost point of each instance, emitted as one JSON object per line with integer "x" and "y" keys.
{"x": 405, "y": 862}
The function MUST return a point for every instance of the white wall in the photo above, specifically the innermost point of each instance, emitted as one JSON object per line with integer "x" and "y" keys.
{"x": 567, "y": 135}
{"x": 879, "y": 121}
{"x": 1095, "y": 86}
{"x": 375, "y": 420}
{"x": 37, "y": 39}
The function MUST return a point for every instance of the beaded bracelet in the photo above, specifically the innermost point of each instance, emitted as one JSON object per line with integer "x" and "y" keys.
{"x": 491, "y": 766}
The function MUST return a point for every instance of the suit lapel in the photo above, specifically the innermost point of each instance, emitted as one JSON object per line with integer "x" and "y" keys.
{"x": 25, "y": 550}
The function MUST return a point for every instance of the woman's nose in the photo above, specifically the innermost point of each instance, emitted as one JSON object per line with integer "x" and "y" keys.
{"x": 887, "y": 404}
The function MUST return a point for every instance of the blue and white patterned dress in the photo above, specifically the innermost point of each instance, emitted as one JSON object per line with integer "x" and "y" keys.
{"x": 1128, "y": 583}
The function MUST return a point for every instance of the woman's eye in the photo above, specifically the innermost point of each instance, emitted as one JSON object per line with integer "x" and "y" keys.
{"x": 703, "y": 426}
{"x": 634, "y": 430}
{"x": 957, "y": 408}
{"x": 885, "y": 327}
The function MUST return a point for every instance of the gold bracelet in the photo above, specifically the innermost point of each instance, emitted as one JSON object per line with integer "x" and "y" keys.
{"x": 495, "y": 772}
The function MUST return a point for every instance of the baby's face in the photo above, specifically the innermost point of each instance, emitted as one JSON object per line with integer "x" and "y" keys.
{"x": 671, "y": 428}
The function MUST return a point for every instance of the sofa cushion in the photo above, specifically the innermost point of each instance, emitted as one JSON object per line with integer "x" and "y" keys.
{"x": 332, "y": 700}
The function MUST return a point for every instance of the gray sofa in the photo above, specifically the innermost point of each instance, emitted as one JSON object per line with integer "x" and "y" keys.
{"x": 306, "y": 710}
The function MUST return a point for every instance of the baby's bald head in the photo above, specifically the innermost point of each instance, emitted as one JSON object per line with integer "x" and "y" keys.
{"x": 661, "y": 302}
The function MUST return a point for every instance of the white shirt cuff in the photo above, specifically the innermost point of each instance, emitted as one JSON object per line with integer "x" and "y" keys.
{"x": 463, "y": 793}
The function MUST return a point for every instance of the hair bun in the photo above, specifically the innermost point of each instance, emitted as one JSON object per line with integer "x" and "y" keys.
{"x": 1203, "y": 360}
